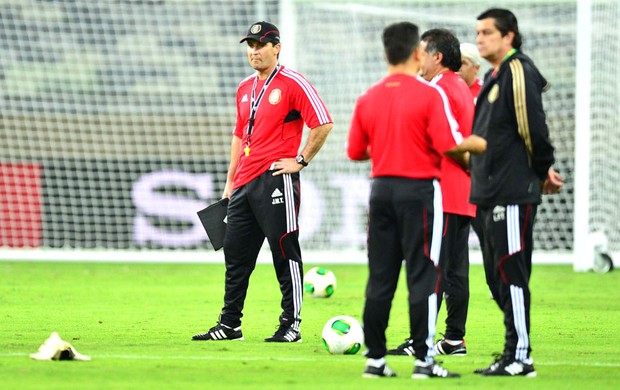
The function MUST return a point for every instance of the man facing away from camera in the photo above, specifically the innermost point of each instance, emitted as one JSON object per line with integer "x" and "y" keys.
{"x": 263, "y": 182}
{"x": 404, "y": 126}
{"x": 509, "y": 179}
{"x": 441, "y": 59}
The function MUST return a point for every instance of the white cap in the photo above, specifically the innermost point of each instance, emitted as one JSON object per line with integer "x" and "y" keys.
{"x": 470, "y": 51}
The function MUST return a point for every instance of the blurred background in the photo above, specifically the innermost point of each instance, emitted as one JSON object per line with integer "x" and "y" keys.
{"x": 116, "y": 116}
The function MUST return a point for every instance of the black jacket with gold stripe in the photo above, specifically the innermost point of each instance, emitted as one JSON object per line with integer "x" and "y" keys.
{"x": 510, "y": 116}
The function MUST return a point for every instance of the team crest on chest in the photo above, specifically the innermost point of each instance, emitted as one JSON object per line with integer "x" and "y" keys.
{"x": 493, "y": 93}
{"x": 275, "y": 96}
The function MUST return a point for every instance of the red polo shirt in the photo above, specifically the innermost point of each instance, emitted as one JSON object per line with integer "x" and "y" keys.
{"x": 288, "y": 102}
{"x": 404, "y": 124}
{"x": 455, "y": 181}
{"x": 475, "y": 89}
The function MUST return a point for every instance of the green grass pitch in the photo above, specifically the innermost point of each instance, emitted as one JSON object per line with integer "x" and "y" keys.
{"x": 136, "y": 322}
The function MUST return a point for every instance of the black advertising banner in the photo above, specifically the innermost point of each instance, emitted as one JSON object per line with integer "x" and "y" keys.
{"x": 127, "y": 204}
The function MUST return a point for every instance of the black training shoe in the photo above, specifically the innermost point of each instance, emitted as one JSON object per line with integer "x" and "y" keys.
{"x": 220, "y": 332}
{"x": 498, "y": 358}
{"x": 443, "y": 347}
{"x": 405, "y": 349}
{"x": 285, "y": 334}
{"x": 378, "y": 372}
{"x": 509, "y": 367}
{"x": 422, "y": 370}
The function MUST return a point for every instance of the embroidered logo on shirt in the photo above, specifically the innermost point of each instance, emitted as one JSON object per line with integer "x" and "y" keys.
{"x": 244, "y": 98}
{"x": 493, "y": 93}
{"x": 275, "y": 96}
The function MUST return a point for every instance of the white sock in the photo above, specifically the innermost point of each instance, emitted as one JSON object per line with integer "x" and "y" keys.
{"x": 453, "y": 342}
{"x": 230, "y": 327}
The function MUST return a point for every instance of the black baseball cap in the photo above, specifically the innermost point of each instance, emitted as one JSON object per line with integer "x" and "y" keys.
{"x": 263, "y": 32}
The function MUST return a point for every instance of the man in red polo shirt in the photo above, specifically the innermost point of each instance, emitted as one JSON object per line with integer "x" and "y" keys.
{"x": 263, "y": 182}
{"x": 440, "y": 61}
{"x": 404, "y": 126}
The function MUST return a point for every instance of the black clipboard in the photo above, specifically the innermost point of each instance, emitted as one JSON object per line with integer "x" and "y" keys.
{"x": 213, "y": 219}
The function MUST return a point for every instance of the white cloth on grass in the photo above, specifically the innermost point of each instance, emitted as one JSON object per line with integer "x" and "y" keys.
{"x": 54, "y": 348}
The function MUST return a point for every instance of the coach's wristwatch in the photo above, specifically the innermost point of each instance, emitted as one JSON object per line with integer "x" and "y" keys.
{"x": 300, "y": 160}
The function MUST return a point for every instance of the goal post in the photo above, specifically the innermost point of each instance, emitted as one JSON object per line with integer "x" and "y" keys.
{"x": 116, "y": 120}
{"x": 582, "y": 251}
{"x": 597, "y": 128}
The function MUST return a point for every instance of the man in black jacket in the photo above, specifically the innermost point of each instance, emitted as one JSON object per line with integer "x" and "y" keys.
{"x": 509, "y": 179}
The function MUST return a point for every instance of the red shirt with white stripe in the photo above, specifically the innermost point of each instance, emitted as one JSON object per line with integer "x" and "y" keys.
{"x": 455, "y": 181}
{"x": 289, "y": 102}
{"x": 406, "y": 126}
{"x": 475, "y": 89}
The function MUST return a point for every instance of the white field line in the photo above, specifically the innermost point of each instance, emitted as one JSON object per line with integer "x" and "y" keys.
{"x": 291, "y": 359}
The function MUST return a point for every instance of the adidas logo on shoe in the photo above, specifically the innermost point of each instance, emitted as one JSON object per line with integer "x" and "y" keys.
{"x": 449, "y": 347}
{"x": 405, "y": 349}
{"x": 424, "y": 370}
{"x": 220, "y": 332}
{"x": 285, "y": 334}
{"x": 378, "y": 372}
{"x": 506, "y": 366}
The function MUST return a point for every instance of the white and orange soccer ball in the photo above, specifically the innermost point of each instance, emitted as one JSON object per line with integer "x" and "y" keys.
{"x": 319, "y": 282}
{"x": 343, "y": 335}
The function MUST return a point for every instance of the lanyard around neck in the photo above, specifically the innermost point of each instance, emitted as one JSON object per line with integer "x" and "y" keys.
{"x": 507, "y": 56}
{"x": 255, "y": 102}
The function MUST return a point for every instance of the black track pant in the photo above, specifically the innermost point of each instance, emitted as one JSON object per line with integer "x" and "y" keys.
{"x": 267, "y": 207}
{"x": 508, "y": 266}
{"x": 454, "y": 282}
{"x": 404, "y": 223}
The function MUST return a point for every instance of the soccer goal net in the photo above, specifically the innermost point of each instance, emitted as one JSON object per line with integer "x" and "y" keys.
{"x": 117, "y": 115}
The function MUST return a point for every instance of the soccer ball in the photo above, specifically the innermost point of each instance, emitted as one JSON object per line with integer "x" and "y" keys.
{"x": 343, "y": 335}
{"x": 320, "y": 282}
